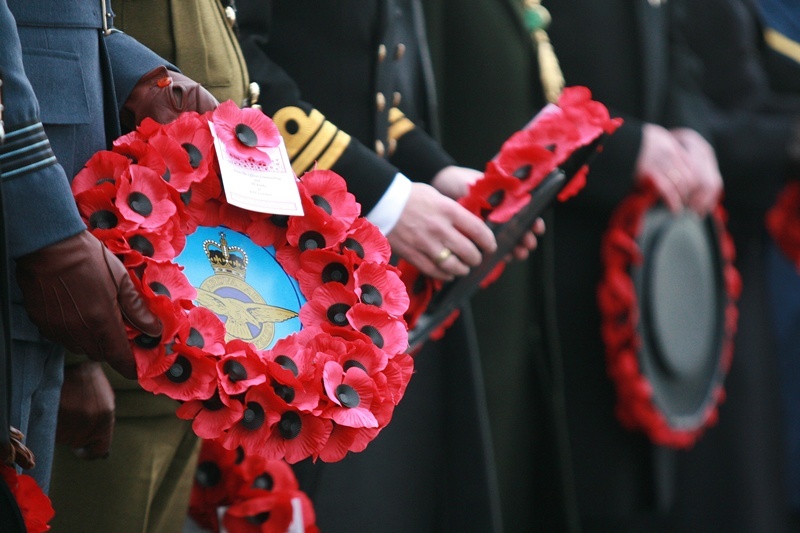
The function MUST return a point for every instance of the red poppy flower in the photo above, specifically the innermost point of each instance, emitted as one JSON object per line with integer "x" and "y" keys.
{"x": 328, "y": 304}
{"x": 783, "y": 221}
{"x": 367, "y": 242}
{"x": 167, "y": 279}
{"x": 267, "y": 513}
{"x": 341, "y": 440}
{"x": 522, "y": 159}
{"x": 144, "y": 199}
{"x": 142, "y": 154}
{"x": 315, "y": 230}
{"x": 266, "y": 475}
{"x": 360, "y": 352}
{"x": 199, "y": 204}
{"x": 216, "y": 481}
{"x": 398, "y": 374}
{"x": 420, "y": 290}
{"x": 33, "y": 504}
{"x": 245, "y": 131}
{"x": 274, "y": 431}
{"x": 579, "y": 107}
{"x": 318, "y": 267}
{"x": 327, "y": 191}
{"x": 234, "y": 217}
{"x": 240, "y": 368}
{"x": 179, "y": 173}
{"x": 154, "y": 354}
{"x": 102, "y": 170}
{"x": 351, "y": 394}
{"x": 301, "y": 393}
{"x": 575, "y": 185}
{"x": 296, "y": 435}
{"x": 191, "y": 375}
{"x": 503, "y": 196}
{"x": 191, "y": 132}
{"x": 213, "y": 416}
{"x": 380, "y": 286}
{"x": 99, "y": 211}
{"x": 386, "y": 332}
{"x": 206, "y": 331}
{"x": 268, "y": 230}
{"x": 158, "y": 244}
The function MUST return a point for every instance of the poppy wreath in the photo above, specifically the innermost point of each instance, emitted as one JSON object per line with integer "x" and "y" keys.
{"x": 253, "y": 493}
{"x": 321, "y": 392}
{"x": 523, "y": 162}
{"x": 619, "y": 311}
{"x": 783, "y": 221}
{"x": 34, "y": 505}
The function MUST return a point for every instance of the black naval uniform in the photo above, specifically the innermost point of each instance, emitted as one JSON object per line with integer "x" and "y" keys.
{"x": 363, "y": 71}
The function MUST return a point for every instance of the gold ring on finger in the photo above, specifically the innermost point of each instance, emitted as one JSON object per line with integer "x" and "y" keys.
{"x": 443, "y": 255}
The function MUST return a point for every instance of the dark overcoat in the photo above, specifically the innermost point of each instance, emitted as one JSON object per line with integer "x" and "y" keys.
{"x": 348, "y": 83}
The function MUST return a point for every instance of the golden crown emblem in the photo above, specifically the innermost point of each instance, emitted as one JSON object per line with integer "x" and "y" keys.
{"x": 226, "y": 259}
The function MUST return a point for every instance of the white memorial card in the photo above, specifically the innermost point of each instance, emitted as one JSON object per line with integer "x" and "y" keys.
{"x": 261, "y": 187}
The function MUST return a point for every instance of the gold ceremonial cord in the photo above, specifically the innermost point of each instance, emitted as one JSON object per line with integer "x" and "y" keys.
{"x": 537, "y": 18}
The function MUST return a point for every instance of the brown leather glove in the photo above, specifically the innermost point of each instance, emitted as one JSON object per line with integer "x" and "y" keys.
{"x": 162, "y": 95}
{"x": 86, "y": 411}
{"x": 77, "y": 293}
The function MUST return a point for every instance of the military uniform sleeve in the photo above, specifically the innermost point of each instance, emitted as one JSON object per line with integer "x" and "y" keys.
{"x": 311, "y": 139}
{"x": 130, "y": 60}
{"x": 38, "y": 205}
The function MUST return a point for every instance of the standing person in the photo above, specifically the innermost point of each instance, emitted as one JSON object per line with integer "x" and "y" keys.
{"x": 54, "y": 256}
{"x": 630, "y": 56}
{"x": 86, "y": 75}
{"x": 198, "y": 39}
{"x": 363, "y": 66}
{"x": 513, "y": 317}
{"x": 735, "y": 477}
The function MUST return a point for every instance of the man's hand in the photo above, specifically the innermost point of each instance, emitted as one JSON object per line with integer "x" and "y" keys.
{"x": 706, "y": 185}
{"x": 438, "y": 236}
{"x": 77, "y": 293}
{"x": 662, "y": 160}
{"x": 86, "y": 411}
{"x": 162, "y": 95}
{"x": 454, "y": 181}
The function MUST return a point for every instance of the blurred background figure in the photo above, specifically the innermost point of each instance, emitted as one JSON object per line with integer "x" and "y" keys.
{"x": 364, "y": 67}
{"x": 486, "y": 63}
{"x": 632, "y": 57}
{"x": 735, "y": 477}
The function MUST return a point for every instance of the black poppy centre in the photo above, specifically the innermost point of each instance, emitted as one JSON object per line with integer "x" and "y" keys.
{"x": 337, "y": 314}
{"x": 140, "y": 203}
{"x": 103, "y": 219}
{"x": 288, "y": 363}
{"x": 374, "y": 335}
{"x": 253, "y": 417}
{"x": 290, "y": 425}
{"x": 194, "y": 153}
{"x": 322, "y": 203}
{"x": 195, "y": 339}
{"x": 335, "y": 272}
{"x": 311, "y": 240}
{"x": 347, "y": 396}
{"x": 234, "y": 370}
{"x": 142, "y": 244}
{"x": 180, "y": 371}
{"x": 371, "y": 295}
{"x": 208, "y": 474}
{"x": 246, "y": 135}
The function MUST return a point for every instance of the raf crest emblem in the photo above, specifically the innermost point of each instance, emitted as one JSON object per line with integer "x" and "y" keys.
{"x": 246, "y": 314}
